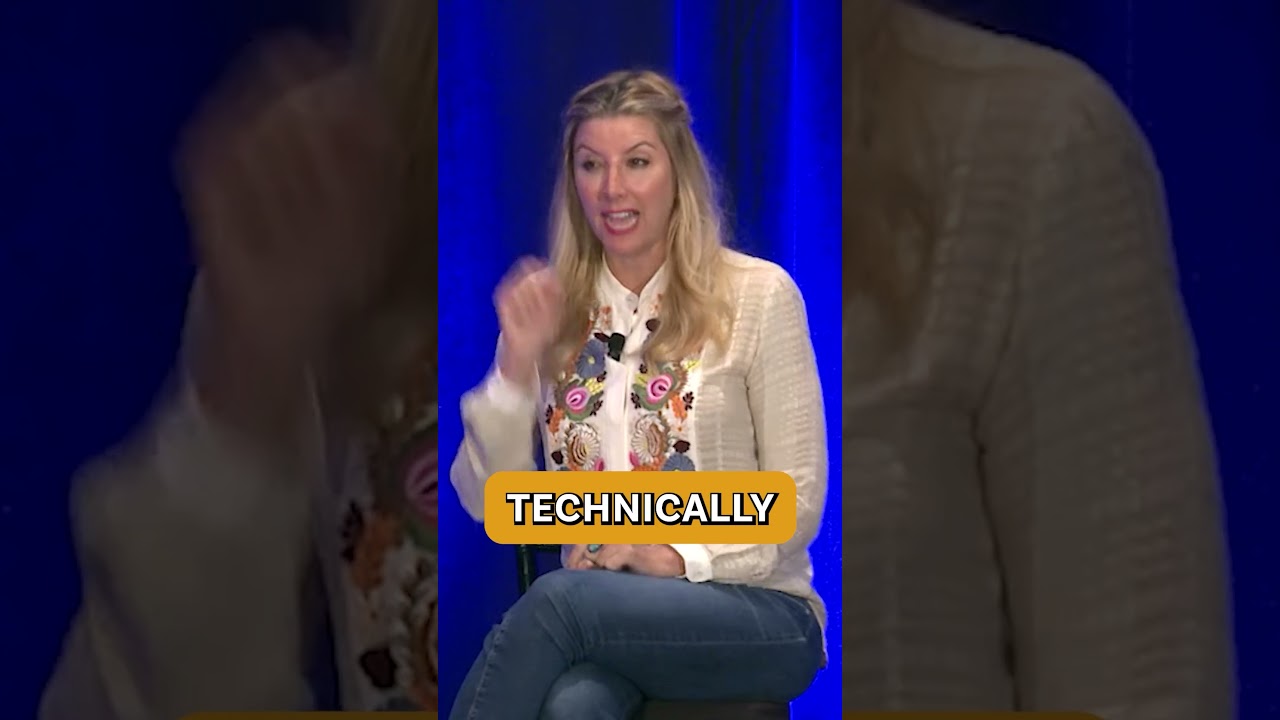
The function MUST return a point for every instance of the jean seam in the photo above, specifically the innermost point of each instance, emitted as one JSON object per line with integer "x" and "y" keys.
{"x": 485, "y": 672}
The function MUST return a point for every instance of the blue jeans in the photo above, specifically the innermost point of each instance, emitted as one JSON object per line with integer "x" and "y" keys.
{"x": 588, "y": 644}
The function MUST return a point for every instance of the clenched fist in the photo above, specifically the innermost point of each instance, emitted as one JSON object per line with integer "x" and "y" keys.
{"x": 530, "y": 304}
{"x": 286, "y": 177}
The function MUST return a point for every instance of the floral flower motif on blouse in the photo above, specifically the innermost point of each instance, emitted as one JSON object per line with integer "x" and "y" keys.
{"x": 591, "y": 364}
{"x": 390, "y": 542}
{"x": 660, "y": 435}
{"x": 578, "y": 395}
{"x": 655, "y": 387}
{"x": 378, "y": 533}
{"x": 580, "y": 399}
{"x": 419, "y": 473}
{"x": 582, "y": 449}
{"x": 662, "y": 395}
{"x": 678, "y": 462}
{"x": 650, "y": 442}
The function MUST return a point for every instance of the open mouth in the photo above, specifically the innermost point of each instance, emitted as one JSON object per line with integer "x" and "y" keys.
{"x": 621, "y": 221}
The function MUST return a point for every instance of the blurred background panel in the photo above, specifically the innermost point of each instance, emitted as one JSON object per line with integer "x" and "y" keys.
{"x": 1203, "y": 80}
{"x": 94, "y": 261}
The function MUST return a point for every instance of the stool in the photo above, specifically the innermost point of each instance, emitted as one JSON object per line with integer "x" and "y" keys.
{"x": 527, "y": 572}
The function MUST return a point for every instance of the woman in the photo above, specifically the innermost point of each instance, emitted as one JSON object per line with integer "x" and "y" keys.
{"x": 641, "y": 286}
{"x": 285, "y": 482}
{"x": 1031, "y": 515}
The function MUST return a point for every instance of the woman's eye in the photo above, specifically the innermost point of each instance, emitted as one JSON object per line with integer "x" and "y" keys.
{"x": 639, "y": 162}
{"x": 588, "y": 165}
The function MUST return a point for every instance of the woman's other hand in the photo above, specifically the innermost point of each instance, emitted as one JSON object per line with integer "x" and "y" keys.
{"x": 287, "y": 174}
{"x": 530, "y": 304}
{"x": 577, "y": 559}
{"x": 653, "y": 560}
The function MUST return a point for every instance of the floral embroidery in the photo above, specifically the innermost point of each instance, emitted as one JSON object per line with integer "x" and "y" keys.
{"x": 654, "y": 390}
{"x": 659, "y": 441}
{"x": 578, "y": 395}
{"x": 378, "y": 535}
{"x": 678, "y": 462}
{"x": 580, "y": 401}
{"x": 390, "y": 542}
{"x": 582, "y": 449}
{"x": 650, "y": 439}
{"x": 661, "y": 395}
{"x": 419, "y": 470}
{"x": 591, "y": 365}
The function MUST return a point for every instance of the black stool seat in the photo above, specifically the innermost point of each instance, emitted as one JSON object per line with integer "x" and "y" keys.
{"x": 686, "y": 710}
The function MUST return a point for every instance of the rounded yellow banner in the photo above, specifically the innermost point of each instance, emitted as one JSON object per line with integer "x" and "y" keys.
{"x": 665, "y": 508}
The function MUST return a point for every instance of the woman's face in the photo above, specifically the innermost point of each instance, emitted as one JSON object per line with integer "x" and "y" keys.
{"x": 626, "y": 184}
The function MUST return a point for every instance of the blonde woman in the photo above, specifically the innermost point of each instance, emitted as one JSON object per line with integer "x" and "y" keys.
{"x": 1032, "y": 518}
{"x": 283, "y": 481}
{"x": 647, "y": 345}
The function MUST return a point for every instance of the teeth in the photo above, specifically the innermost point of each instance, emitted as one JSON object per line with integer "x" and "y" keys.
{"x": 624, "y": 220}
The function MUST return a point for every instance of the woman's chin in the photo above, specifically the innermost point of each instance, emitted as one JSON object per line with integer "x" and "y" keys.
{"x": 625, "y": 247}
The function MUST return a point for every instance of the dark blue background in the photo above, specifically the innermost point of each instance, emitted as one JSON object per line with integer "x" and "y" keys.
{"x": 763, "y": 81}
{"x": 94, "y": 264}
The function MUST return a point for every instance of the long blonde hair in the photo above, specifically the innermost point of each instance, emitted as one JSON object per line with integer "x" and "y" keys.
{"x": 695, "y": 308}
{"x": 891, "y": 165}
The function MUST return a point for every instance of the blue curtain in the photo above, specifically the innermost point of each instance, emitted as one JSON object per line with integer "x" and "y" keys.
{"x": 763, "y": 83}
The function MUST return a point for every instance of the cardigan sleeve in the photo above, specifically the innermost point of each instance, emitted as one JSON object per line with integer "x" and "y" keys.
{"x": 1099, "y": 467}
{"x": 193, "y": 550}
{"x": 499, "y": 434}
{"x": 785, "y": 398}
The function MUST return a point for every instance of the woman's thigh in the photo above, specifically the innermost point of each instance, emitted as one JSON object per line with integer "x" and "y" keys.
{"x": 680, "y": 640}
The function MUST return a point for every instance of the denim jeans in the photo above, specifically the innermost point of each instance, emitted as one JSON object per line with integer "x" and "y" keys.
{"x": 588, "y": 644}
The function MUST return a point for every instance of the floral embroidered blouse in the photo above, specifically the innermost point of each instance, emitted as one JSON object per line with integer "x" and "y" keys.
{"x": 755, "y": 403}
{"x": 202, "y": 559}
{"x": 388, "y": 543}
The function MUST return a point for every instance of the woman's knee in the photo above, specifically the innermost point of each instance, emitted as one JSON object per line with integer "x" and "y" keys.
{"x": 588, "y": 692}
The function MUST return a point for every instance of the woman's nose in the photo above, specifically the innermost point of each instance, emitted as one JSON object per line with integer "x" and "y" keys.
{"x": 611, "y": 184}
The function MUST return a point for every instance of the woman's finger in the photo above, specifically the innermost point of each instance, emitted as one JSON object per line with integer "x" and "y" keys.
{"x": 577, "y": 559}
{"x": 522, "y": 269}
{"x": 530, "y": 299}
{"x": 614, "y": 557}
{"x": 551, "y": 301}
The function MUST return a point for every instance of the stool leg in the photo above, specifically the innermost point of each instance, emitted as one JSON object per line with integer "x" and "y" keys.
{"x": 526, "y": 567}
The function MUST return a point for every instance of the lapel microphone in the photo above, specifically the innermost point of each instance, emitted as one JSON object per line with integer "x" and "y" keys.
{"x": 616, "y": 342}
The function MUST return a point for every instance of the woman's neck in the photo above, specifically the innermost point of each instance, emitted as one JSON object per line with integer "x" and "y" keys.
{"x": 635, "y": 272}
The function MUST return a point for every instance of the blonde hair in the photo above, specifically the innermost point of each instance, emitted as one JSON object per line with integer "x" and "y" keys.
{"x": 694, "y": 308}
{"x": 890, "y": 172}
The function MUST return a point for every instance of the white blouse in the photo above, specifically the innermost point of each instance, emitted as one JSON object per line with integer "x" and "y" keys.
{"x": 754, "y": 404}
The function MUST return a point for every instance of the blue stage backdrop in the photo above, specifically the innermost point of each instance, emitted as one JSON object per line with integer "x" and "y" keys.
{"x": 763, "y": 80}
